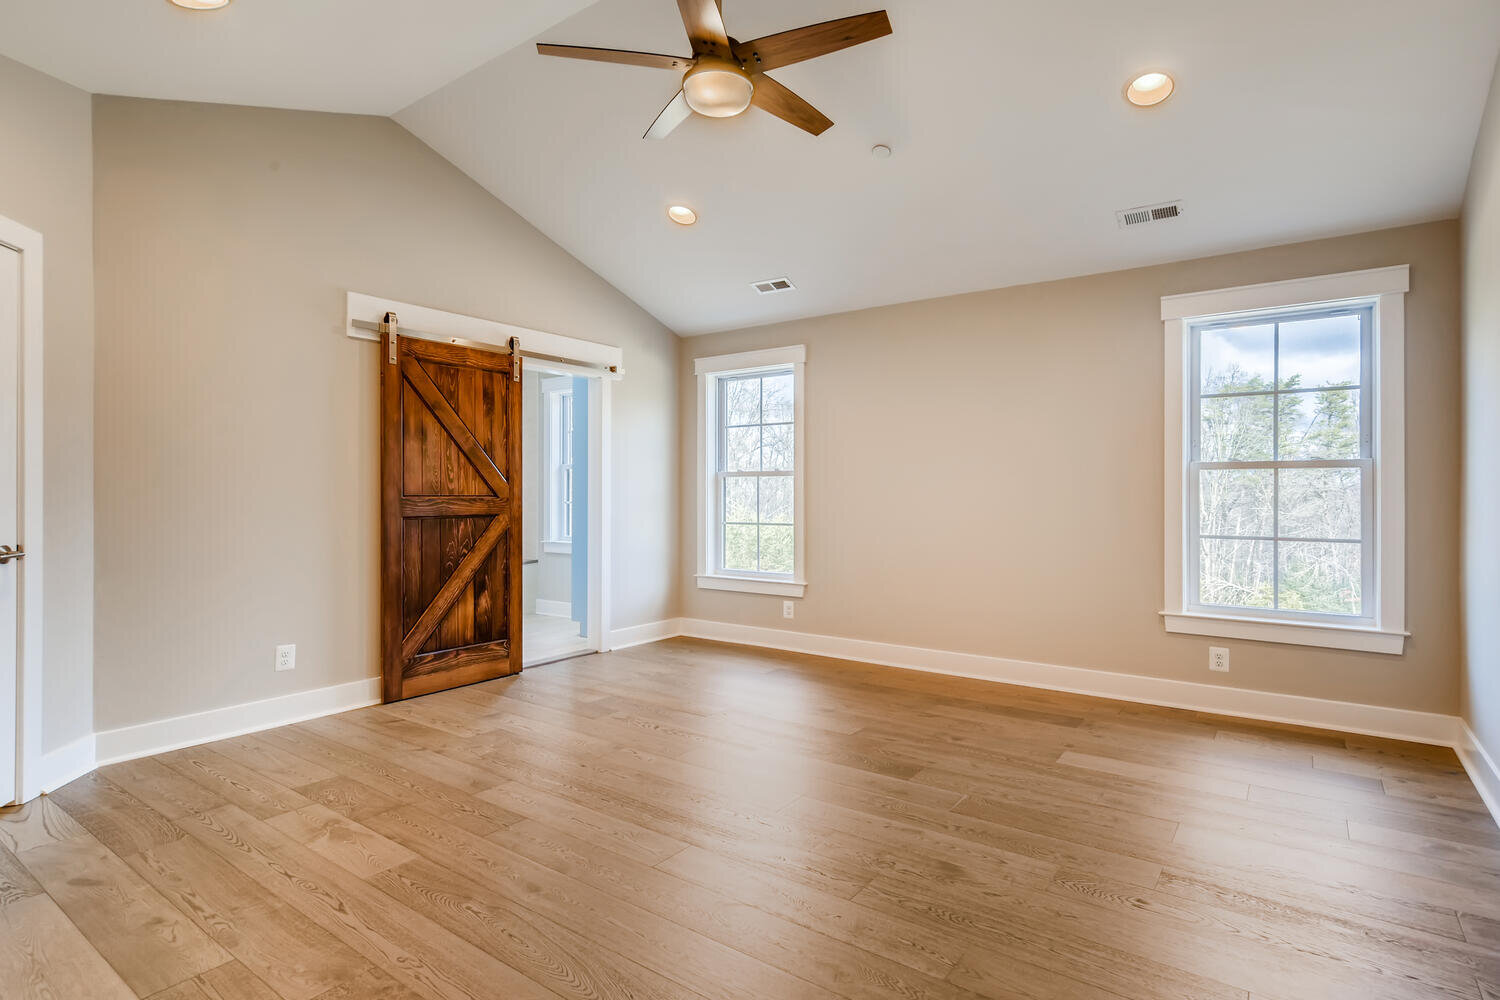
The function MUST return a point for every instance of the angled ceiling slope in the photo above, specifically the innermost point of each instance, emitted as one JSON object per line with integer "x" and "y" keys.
{"x": 358, "y": 56}
{"x": 1014, "y": 146}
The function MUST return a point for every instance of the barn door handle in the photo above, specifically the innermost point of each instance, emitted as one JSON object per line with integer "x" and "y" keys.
{"x": 7, "y": 553}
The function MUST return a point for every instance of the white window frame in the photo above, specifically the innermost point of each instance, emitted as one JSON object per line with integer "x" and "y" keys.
{"x": 1383, "y": 627}
{"x": 710, "y": 527}
{"x": 554, "y": 388}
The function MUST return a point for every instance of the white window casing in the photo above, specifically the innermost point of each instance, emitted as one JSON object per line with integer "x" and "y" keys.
{"x": 711, "y": 373}
{"x": 1381, "y": 625}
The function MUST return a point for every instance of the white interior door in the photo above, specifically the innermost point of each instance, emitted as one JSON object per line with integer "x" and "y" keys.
{"x": 10, "y": 481}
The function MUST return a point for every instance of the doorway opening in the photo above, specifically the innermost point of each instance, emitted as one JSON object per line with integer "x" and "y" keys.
{"x": 558, "y": 456}
{"x": 590, "y": 371}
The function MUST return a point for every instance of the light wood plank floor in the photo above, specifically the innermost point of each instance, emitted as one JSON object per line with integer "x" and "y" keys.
{"x": 690, "y": 821}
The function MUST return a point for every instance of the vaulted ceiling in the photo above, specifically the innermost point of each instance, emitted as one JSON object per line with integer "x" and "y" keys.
{"x": 1013, "y": 146}
{"x": 361, "y": 56}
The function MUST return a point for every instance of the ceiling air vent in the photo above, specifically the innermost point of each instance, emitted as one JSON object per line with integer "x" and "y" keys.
{"x": 773, "y": 285}
{"x": 1129, "y": 217}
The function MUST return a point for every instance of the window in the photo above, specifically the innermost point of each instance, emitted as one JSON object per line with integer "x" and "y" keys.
{"x": 557, "y": 448}
{"x": 750, "y": 458}
{"x": 1281, "y": 464}
{"x": 1285, "y": 458}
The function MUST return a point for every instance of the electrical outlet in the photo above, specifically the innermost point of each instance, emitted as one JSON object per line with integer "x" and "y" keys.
{"x": 286, "y": 657}
{"x": 788, "y": 609}
{"x": 1218, "y": 659}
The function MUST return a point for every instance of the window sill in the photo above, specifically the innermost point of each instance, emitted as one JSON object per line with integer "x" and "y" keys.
{"x": 558, "y": 548}
{"x": 751, "y": 585}
{"x": 1357, "y": 637}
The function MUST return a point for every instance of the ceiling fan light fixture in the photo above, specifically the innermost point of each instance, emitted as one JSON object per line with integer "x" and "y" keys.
{"x": 718, "y": 88}
{"x": 199, "y": 4}
{"x": 682, "y": 215}
{"x": 1149, "y": 89}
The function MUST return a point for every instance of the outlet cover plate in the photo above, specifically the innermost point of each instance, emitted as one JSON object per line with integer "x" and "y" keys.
{"x": 286, "y": 657}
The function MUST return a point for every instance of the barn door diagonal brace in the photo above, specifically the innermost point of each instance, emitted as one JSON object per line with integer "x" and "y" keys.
{"x": 388, "y": 329}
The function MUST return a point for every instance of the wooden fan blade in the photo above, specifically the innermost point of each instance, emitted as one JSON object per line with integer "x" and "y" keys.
{"x": 705, "y": 27}
{"x": 773, "y": 97}
{"x": 799, "y": 44}
{"x": 650, "y": 59}
{"x": 673, "y": 115}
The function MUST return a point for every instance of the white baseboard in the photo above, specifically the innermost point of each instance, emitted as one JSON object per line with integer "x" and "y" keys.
{"x": 637, "y": 635}
{"x": 67, "y": 762}
{"x": 1483, "y": 770}
{"x": 557, "y": 609}
{"x": 236, "y": 720}
{"x": 1349, "y": 717}
{"x": 79, "y": 757}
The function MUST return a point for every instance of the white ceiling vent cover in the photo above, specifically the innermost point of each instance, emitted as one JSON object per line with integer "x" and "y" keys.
{"x": 1146, "y": 214}
{"x": 773, "y": 285}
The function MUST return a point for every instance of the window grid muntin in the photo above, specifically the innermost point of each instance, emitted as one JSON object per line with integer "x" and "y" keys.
{"x": 722, "y": 475}
{"x": 1365, "y": 463}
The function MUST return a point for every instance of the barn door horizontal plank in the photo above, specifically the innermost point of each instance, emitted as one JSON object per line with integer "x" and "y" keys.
{"x": 454, "y": 506}
{"x": 447, "y": 659}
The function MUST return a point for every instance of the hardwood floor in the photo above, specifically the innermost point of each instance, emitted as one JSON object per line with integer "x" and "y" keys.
{"x": 691, "y": 820}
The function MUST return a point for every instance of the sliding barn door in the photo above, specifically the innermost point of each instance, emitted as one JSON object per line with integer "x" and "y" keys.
{"x": 451, "y": 514}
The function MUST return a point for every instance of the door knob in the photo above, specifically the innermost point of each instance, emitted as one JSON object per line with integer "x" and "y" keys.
{"x": 7, "y": 553}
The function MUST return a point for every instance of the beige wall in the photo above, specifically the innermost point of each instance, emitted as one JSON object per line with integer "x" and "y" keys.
{"x": 1481, "y": 393}
{"x": 236, "y": 427}
{"x": 46, "y": 183}
{"x": 985, "y": 475}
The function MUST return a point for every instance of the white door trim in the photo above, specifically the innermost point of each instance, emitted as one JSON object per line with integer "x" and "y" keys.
{"x": 600, "y": 436}
{"x": 28, "y": 243}
{"x": 441, "y": 324}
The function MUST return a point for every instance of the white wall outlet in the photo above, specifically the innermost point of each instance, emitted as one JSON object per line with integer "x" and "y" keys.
{"x": 1218, "y": 659}
{"x": 286, "y": 657}
{"x": 788, "y": 609}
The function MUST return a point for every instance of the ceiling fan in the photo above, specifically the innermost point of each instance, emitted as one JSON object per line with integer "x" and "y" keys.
{"x": 723, "y": 76}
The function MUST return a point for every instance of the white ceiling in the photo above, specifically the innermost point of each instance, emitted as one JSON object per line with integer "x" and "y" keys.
{"x": 1293, "y": 119}
{"x": 363, "y": 56}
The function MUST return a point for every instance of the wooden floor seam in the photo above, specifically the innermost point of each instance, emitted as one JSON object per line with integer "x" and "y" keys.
{"x": 691, "y": 820}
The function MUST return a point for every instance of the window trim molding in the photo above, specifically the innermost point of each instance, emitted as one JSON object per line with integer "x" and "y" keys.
{"x": 704, "y": 371}
{"x": 1384, "y": 289}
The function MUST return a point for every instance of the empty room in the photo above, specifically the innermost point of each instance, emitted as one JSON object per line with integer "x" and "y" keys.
{"x": 749, "y": 500}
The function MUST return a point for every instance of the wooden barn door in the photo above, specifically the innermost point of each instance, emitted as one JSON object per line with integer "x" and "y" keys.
{"x": 451, "y": 515}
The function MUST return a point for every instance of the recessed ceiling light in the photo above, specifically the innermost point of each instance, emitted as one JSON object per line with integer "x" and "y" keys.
{"x": 682, "y": 215}
{"x": 1149, "y": 89}
{"x": 199, "y": 4}
{"x": 881, "y": 152}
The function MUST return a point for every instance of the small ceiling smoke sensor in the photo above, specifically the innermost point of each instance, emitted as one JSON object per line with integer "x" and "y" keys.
{"x": 199, "y": 4}
{"x": 1149, "y": 89}
{"x": 881, "y": 152}
{"x": 772, "y": 286}
{"x": 682, "y": 215}
{"x": 1128, "y": 218}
